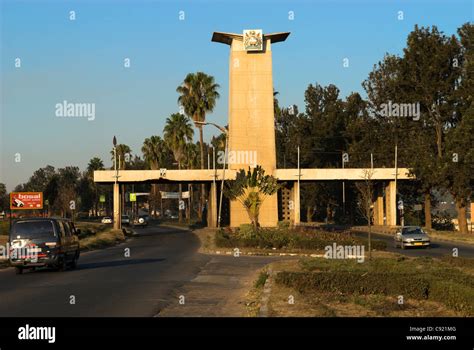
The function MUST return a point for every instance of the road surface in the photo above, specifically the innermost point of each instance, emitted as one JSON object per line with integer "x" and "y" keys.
{"x": 438, "y": 249}
{"x": 106, "y": 283}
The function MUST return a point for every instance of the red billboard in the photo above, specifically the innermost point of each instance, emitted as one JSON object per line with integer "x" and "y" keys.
{"x": 26, "y": 200}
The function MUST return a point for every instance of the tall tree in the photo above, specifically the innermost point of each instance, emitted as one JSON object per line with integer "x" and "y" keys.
{"x": 430, "y": 76}
{"x": 4, "y": 201}
{"x": 198, "y": 96}
{"x": 94, "y": 164}
{"x": 155, "y": 153}
{"x": 177, "y": 133}
{"x": 459, "y": 169}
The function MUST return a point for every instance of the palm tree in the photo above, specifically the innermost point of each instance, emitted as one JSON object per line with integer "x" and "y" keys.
{"x": 177, "y": 133}
{"x": 94, "y": 164}
{"x": 198, "y": 96}
{"x": 154, "y": 151}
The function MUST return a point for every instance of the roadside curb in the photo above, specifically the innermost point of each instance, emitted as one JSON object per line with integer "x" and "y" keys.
{"x": 267, "y": 289}
{"x": 230, "y": 252}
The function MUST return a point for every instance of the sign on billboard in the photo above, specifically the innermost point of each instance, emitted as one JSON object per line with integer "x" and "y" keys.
{"x": 26, "y": 200}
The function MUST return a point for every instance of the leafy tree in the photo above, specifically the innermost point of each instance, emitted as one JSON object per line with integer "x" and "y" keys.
{"x": 459, "y": 172}
{"x": 250, "y": 189}
{"x": 366, "y": 196}
{"x": 429, "y": 77}
{"x": 94, "y": 164}
{"x": 4, "y": 200}
{"x": 459, "y": 169}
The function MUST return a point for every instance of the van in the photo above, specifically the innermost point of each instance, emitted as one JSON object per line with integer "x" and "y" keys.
{"x": 43, "y": 242}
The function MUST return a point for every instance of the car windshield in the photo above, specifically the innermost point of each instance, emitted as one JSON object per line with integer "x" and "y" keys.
{"x": 33, "y": 229}
{"x": 412, "y": 231}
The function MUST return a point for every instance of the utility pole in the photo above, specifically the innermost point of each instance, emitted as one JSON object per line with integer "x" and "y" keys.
{"x": 223, "y": 179}
{"x": 297, "y": 207}
{"x": 226, "y": 133}
{"x": 343, "y": 189}
{"x": 396, "y": 187}
{"x": 116, "y": 192}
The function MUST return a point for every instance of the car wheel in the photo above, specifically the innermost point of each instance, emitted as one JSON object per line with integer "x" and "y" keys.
{"x": 19, "y": 270}
{"x": 74, "y": 261}
{"x": 62, "y": 266}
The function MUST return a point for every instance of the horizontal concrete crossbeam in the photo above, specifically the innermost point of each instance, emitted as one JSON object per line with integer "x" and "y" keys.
{"x": 195, "y": 175}
{"x": 341, "y": 174}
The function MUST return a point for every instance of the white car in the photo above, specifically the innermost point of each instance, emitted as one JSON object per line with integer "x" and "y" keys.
{"x": 106, "y": 220}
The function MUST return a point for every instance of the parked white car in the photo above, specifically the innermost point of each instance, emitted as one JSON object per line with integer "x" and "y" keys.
{"x": 106, "y": 220}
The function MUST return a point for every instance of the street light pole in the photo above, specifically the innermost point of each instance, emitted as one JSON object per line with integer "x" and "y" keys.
{"x": 226, "y": 133}
{"x": 343, "y": 189}
{"x": 116, "y": 192}
{"x": 223, "y": 178}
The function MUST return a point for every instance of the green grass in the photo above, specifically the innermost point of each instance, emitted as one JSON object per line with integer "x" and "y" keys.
{"x": 416, "y": 278}
{"x": 102, "y": 240}
{"x": 91, "y": 228}
{"x": 262, "y": 279}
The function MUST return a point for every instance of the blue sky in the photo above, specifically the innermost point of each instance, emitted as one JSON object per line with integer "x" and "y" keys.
{"x": 82, "y": 61}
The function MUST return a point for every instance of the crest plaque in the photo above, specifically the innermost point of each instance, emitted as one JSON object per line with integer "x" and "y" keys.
{"x": 253, "y": 40}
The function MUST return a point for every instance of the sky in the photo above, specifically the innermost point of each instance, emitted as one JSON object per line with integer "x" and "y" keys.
{"x": 82, "y": 61}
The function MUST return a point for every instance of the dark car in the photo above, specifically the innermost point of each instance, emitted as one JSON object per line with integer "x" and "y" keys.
{"x": 43, "y": 242}
{"x": 125, "y": 220}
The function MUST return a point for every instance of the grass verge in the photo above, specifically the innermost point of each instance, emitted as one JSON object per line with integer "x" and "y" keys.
{"x": 385, "y": 286}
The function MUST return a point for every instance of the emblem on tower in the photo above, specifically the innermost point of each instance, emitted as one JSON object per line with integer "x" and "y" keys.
{"x": 253, "y": 40}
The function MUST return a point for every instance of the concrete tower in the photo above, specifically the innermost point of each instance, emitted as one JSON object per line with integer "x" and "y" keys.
{"x": 251, "y": 114}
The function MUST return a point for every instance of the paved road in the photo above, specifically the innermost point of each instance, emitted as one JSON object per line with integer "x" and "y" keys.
{"x": 438, "y": 248}
{"x": 106, "y": 283}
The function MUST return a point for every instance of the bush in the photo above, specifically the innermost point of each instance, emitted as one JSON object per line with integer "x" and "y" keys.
{"x": 422, "y": 277}
{"x": 223, "y": 239}
{"x": 268, "y": 238}
{"x": 457, "y": 296}
{"x": 458, "y": 262}
{"x": 246, "y": 231}
{"x": 387, "y": 283}
{"x": 443, "y": 222}
{"x": 283, "y": 225}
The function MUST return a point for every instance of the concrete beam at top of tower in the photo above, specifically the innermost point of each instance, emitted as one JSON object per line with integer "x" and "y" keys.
{"x": 226, "y": 38}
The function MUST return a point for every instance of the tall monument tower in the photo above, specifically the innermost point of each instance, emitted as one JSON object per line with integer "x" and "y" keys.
{"x": 251, "y": 114}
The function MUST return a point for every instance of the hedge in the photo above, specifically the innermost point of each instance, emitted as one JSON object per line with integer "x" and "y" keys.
{"x": 282, "y": 238}
{"x": 408, "y": 285}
